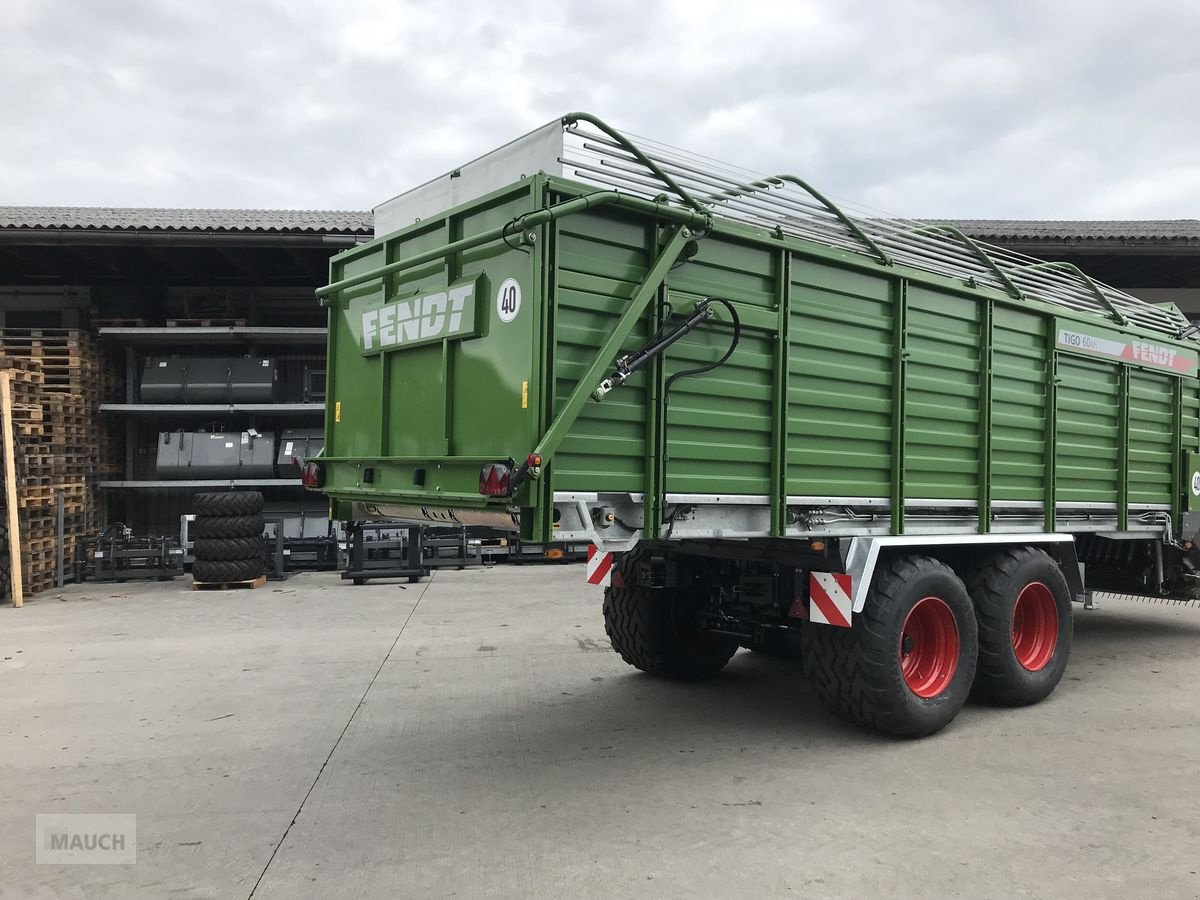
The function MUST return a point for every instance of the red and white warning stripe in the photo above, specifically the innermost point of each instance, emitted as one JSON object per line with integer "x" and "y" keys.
{"x": 830, "y": 596}
{"x": 599, "y": 565}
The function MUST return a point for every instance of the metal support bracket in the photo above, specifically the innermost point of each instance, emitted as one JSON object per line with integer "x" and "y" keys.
{"x": 636, "y": 308}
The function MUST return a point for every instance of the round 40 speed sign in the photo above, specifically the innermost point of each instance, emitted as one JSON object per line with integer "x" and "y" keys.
{"x": 508, "y": 300}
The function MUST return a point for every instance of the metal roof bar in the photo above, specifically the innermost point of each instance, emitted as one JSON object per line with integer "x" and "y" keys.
{"x": 980, "y": 253}
{"x": 776, "y": 180}
{"x": 571, "y": 118}
{"x": 1087, "y": 279}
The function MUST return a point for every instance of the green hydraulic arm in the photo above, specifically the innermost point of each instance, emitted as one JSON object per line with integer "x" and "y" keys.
{"x": 587, "y": 383}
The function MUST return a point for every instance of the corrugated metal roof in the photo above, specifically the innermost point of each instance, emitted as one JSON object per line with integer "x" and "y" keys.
{"x": 322, "y": 221}
{"x": 227, "y": 221}
{"x": 1081, "y": 230}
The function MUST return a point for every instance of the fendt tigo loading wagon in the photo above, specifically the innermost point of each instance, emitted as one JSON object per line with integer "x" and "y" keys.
{"x": 879, "y": 445}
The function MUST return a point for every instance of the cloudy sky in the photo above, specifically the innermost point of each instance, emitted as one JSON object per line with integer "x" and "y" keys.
{"x": 940, "y": 108}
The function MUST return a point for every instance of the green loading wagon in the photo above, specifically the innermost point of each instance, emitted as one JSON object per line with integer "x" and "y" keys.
{"x": 874, "y": 443}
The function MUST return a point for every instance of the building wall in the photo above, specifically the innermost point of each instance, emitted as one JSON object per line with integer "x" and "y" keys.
{"x": 1187, "y": 299}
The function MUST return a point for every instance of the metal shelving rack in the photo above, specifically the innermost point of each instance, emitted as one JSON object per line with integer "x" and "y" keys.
{"x": 248, "y": 338}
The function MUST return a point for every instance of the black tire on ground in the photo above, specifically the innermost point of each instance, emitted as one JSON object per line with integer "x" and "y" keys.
{"x": 227, "y": 570}
{"x": 222, "y": 549}
{"x": 652, "y": 631}
{"x": 907, "y": 664}
{"x": 226, "y": 526}
{"x": 1023, "y": 607}
{"x": 227, "y": 503}
{"x": 777, "y": 645}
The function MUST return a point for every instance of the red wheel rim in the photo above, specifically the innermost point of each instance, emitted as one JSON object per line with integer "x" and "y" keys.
{"x": 1035, "y": 626}
{"x": 929, "y": 647}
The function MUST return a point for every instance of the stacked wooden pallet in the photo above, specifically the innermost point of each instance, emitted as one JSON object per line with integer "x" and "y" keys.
{"x": 59, "y": 377}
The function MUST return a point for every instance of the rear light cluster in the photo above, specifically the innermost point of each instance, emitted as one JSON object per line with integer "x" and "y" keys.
{"x": 494, "y": 480}
{"x": 313, "y": 475}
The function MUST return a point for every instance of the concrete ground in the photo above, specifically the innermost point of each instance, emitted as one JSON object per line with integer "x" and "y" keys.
{"x": 474, "y": 736}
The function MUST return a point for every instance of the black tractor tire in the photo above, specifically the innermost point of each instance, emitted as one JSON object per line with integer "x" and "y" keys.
{"x": 651, "y": 630}
{"x": 858, "y": 673}
{"x": 226, "y": 526}
{"x": 777, "y": 645}
{"x": 215, "y": 572}
{"x": 1039, "y": 632}
{"x": 223, "y": 549}
{"x": 228, "y": 503}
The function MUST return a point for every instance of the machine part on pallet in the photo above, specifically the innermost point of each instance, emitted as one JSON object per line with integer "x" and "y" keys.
{"x": 444, "y": 548}
{"x": 383, "y": 550}
{"x": 117, "y": 555}
{"x": 208, "y": 379}
{"x": 200, "y": 455}
{"x": 288, "y": 553}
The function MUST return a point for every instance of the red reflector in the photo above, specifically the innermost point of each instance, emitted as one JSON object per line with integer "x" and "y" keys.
{"x": 313, "y": 475}
{"x": 493, "y": 480}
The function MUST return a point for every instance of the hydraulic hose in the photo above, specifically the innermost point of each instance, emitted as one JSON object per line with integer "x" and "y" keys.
{"x": 679, "y": 376}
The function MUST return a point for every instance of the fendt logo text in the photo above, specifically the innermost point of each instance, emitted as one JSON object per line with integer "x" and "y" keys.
{"x": 447, "y": 313}
{"x": 1153, "y": 353}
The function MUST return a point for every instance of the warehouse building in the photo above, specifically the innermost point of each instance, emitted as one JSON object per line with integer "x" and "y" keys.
{"x": 137, "y": 290}
{"x": 91, "y": 296}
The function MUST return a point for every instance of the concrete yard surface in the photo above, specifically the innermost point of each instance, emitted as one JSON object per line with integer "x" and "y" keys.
{"x": 474, "y": 735}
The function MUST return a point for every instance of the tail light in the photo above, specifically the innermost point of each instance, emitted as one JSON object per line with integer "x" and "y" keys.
{"x": 313, "y": 475}
{"x": 494, "y": 480}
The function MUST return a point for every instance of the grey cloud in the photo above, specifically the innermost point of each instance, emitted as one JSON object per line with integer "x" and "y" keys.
{"x": 938, "y": 108}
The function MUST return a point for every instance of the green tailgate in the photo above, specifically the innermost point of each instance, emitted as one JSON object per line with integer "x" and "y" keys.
{"x": 429, "y": 376}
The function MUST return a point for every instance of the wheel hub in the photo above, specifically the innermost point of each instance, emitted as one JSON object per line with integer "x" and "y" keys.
{"x": 1035, "y": 626}
{"x": 929, "y": 647}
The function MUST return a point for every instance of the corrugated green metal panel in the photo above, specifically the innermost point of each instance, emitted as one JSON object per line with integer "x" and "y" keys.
{"x": 1151, "y": 398}
{"x": 730, "y": 270}
{"x": 719, "y": 423}
{"x": 1088, "y": 419}
{"x": 1018, "y": 404}
{"x": 1191, "y": 414}
{"x": 840, "y": 408}
{"x": 942, "y": 402}
{"x": 601, "y": 261}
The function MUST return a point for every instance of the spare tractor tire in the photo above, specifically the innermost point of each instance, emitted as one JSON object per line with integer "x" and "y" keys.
{"x": 228, "y": 570}
{"x": 227, "y": 503}
{"x": 227, "y": 526}
{"x": 223, "y": 549}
